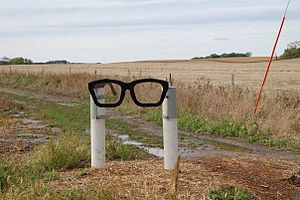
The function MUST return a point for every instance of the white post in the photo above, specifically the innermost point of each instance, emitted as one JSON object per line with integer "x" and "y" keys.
{"x": 97, "y": 132}
{"x": 170, "y": 131}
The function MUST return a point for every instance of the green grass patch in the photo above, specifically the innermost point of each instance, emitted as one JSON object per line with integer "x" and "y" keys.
{"x": 125, "y": 128}
{"x": 189, "y": 121}
{"x": 226, "y": 192}
{"x": 154, "y": 115}
{"x": 71, "y": 149}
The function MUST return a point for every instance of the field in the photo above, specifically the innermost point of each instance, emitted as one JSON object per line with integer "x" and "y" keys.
{"x": 225, "y": 149}
{"x": 247, "y": 71}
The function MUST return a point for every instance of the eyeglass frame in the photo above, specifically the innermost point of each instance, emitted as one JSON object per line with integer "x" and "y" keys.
{"x": 127, "y": 86}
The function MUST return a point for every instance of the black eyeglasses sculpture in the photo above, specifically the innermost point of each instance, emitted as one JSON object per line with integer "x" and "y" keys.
{"x": 144, "y": 92}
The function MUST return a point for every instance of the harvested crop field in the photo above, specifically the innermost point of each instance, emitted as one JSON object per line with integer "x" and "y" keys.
{"x": 284, "y": 74}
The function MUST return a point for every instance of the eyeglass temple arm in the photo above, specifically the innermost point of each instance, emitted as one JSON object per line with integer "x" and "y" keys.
{"x": 112, "y": 89}
{"x": 114, "y": 92}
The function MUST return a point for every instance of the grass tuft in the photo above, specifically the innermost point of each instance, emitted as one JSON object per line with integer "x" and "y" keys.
{"x": 69, "y": 150}
{"x": 227, "y": 192}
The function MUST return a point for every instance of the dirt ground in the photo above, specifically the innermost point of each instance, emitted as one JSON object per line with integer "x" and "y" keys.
{"x": 17, "y": 136}
{"x": 264, "y": 172}
{"x": 264, "y": 178}
{"x": 247, "y": 71}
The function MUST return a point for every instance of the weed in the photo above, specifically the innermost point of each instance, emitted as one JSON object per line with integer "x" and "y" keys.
{"x": 153, "y": 115}
{"x": 226, "y": 192}
{"x": 69, "y": 150}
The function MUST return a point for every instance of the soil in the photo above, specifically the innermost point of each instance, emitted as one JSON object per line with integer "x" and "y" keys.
{"x": 262, "y": 171}
{"x": 263, "y": 178}
{"x": 19, "y": 135}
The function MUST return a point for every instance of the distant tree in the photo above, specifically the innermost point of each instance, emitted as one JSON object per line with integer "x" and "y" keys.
{"x": 248, "y": 54}
{"x": 196, "y": 58}
{"x": 4, "y": 60}
{"x": 292, "y": 51}
{"x": 295, "y": 44}
{"x": 17, "y": 61}
{"x": 214, "y": 55}
{"x": 20, "y": 61}
{"x": 226, "y": 55}
{"x": 57, "y": 62}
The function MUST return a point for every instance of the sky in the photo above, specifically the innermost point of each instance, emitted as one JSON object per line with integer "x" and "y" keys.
{"x": 128, "y": 30}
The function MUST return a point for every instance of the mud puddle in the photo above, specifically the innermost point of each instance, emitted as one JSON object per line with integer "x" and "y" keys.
{"x": 19, "y": 134}
{"x": 198, "y": 148}
{"x": 200, "y": 145}
{"x": 35, "y": 124}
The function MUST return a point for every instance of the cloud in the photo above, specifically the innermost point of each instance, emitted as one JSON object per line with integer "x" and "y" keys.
{"x": 222, "y": 38}
{"x": 150, "y": 28}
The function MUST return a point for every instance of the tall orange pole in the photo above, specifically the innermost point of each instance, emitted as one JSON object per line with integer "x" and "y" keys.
{"x": 270, "y": 60}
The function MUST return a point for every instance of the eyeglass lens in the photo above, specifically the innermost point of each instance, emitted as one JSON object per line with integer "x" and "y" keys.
{"x": 108, "y": 93}
{"x": 148, "y": 92}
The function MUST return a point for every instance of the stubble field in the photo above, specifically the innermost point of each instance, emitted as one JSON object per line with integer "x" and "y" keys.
{"x": 248, "y": 72}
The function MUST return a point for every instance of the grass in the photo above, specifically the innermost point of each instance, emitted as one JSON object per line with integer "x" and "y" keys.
{"x": 39, "y": 190}
{"x": 70, "y": 150}
{"x": 208, "y": 109}
{"x": 24, "y": 176}
{"x": 8, "y": 107}
{"x": 125, "y": 128}
{"x": 189, "y": 121}
{"x": 226, "y": 192}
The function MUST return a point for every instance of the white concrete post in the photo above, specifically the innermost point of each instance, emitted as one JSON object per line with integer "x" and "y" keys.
{"x": 170, "y": 130}
{"x": 97, "y": 132}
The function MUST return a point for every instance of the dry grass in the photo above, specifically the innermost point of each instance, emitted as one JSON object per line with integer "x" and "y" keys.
{"x": 248, "y": 71}
{"x": 278, "y": 113}
{"x": 148, "y": 180}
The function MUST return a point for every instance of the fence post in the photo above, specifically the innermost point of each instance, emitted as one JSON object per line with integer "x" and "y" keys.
{"x": 97, "y": 132}
{"x": 232, "y": 83}
{"x": 170, "y": 130}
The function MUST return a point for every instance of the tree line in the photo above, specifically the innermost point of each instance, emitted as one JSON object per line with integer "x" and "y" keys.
{"x": 24, "y": 61}
{"x": 15, "y": 61}
{"x": 292, "y": 51}
{"x": 225, "y": 55}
